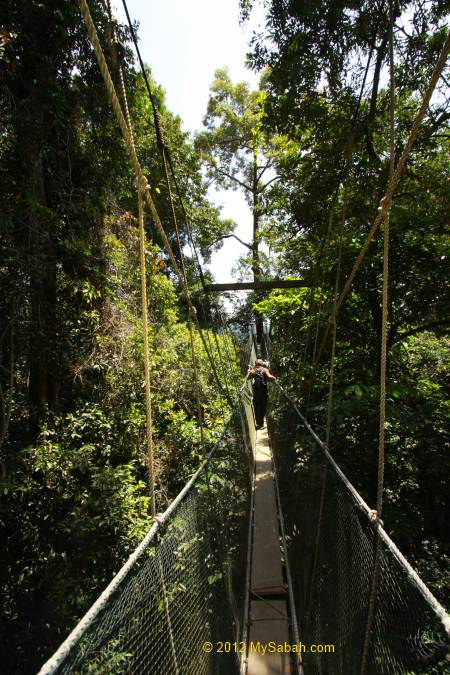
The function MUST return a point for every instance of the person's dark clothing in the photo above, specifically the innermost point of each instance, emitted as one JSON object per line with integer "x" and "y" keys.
{"x": 260, "y": 405}
{"x": 259, "y": 387}
{"x": 260, "y": 375}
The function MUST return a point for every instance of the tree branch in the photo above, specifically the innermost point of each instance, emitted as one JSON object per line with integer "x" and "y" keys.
{"x": 381, "y": 53}
{"x": 223, "y": 142}
{"x": 226, "y": 236}
{"x": 264, "y": 169}
{"x": 438, "y": 122}
{"x": 231, "y": 177}
{"x": 420, "y": 329}
{"x": 270, "y": 181}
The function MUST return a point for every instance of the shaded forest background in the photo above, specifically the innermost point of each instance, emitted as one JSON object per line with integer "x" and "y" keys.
{"x": 74, "y": 496}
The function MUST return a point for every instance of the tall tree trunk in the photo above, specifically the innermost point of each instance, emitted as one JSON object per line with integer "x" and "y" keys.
{"x": 381, "y": 53}
{"x": 42, "y": 289}
{"x": 256, "y": 264}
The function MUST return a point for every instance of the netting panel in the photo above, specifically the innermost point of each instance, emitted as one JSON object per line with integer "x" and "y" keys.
{"x": 332, "y": 560}
{"x": 187, "y": 587}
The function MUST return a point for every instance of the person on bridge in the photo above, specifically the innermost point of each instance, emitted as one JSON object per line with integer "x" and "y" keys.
{"x": 259, "y": 375}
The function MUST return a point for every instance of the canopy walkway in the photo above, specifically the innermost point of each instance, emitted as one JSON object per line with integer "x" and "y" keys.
{"x": 268, "y": 561}
{"x": 238, "y": 562}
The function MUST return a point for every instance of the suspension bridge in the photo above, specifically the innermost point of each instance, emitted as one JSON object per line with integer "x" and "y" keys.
{"x": 261, "y": 565}
{"x": 252, "y": 553}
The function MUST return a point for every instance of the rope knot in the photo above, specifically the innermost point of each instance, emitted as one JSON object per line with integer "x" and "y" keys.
{"x": 142, "y": 183}
{"x": 383, "y": 203}
{"x": 374, "y": 518}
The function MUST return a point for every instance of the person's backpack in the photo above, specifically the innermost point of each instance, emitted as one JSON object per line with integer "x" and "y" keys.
{"x": 258, "y": 381}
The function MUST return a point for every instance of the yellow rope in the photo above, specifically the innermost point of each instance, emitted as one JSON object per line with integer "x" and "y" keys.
{"x": 383, "y": 363}
{"x": 144, "y": 311}
{"x": 333, "y": 317}
{"x": 331, "y": 381}
{"x": 385, "y": 304}
{"x": 148, "y": 400}
{"x": 386, "y": 201}
{"x": 141, "y": 179}
{"x": 143, "y": 272}
{"x": 223, "y": 364}
{"x": 196, "y": 381}
{"x": 310, "y": 380}
{"x": 229, "y": 344}
{"x": 183, "y": 270}
{"x": 160, "y": 140}
{"x": 125, "y": 104}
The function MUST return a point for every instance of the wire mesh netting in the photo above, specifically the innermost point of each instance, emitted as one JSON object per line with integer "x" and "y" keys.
{"x": 331, "y": 549}
{"x": 187, "y": 586}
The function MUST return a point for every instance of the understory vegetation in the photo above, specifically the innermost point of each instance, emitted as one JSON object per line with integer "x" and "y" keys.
{"x": 74, "y": 488}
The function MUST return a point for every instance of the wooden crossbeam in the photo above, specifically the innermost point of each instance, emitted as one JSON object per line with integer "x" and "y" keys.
{"x": 259, "y": 285}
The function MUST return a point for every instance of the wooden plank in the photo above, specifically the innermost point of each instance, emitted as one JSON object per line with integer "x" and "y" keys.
{"x": 259, "y": 285}
{"x": 268, "y": 623}
{"x": 267, "y": 574}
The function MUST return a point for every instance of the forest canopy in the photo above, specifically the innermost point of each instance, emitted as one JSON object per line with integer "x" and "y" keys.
{"x": 310, "y": 152}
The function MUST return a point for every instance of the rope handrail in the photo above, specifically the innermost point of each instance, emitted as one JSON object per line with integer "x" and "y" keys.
{"x": 363, "y": 506}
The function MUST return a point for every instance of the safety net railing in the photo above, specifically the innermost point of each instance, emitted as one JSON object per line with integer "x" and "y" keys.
{"x": 183, "y": 588}
{"x": 331, "y": 548}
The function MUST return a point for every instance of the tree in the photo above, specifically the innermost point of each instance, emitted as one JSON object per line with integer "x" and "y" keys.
{"x": 316, "y": 54}
{"x": 318, "y": 49}
{"x": 73, "y": 470}
{"x": 239, "y": 154}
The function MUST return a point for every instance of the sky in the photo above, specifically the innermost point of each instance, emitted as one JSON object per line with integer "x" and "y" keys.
{"x": 184, "y": 43}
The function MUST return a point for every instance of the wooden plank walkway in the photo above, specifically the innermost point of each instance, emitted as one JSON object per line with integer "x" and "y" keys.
{"x": 268, "y": 615}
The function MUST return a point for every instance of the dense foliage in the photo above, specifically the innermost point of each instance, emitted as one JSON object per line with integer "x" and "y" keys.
{"x": 315, "y": 56}
{"x": 74, "y": 487}
{"x": 73, "y": 467}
